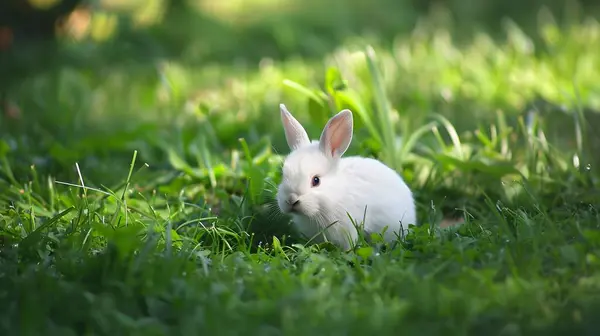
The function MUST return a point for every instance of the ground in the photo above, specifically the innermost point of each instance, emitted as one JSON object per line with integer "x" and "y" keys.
{"x": 139, "y": 197}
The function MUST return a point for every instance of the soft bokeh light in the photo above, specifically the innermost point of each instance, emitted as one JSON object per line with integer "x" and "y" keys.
{"x": 149, "y": 13}
{"x": 42, "y": 4}
{"x": 6, "y": 38}
{"x": 103, "y": 25}
{"x": 77, "y": 24}
{"x": 244, "y": 11}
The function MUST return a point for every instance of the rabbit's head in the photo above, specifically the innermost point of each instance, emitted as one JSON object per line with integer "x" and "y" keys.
{"x": 311, "y": 183}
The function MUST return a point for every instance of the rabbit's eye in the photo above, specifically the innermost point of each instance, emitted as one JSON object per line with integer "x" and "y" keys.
{"x": 316, "y": 181}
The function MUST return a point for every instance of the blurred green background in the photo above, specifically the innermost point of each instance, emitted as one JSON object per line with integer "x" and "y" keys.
{"x": 202, "y": 31}
{"x": 208, "y": 45}
{"x": 198, "y": 31}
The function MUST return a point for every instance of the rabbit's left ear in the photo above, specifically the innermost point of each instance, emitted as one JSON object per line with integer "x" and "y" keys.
{"x": 337, "y": 134}
{"x": 295, "y": 135}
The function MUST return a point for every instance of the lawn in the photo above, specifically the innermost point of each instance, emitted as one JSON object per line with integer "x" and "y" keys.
{"x": 138, "y": 198}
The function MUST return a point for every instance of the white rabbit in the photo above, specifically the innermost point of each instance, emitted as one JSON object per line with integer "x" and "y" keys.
{"x": 319, "y": 189}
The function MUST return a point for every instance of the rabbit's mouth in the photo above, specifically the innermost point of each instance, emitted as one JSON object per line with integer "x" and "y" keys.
{"x": 297, "y": 209}
{"x": 293, "y": 209}
{"x": 287, "y": 208}
{"x": 295, "y": 204}
{"x": 292, "y": 204}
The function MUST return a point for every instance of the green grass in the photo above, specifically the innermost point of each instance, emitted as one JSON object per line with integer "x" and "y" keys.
{"x": 141, "y": 200}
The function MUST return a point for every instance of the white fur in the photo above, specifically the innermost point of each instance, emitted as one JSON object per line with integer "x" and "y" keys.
{"x": 347, "y": 186}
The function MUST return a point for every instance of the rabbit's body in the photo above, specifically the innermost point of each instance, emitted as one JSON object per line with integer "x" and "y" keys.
{"x": 372, "y": 194}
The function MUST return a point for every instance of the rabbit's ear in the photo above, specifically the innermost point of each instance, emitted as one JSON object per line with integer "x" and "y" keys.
{"x": 295, "y": 135}
{"x": 337, "y": 134}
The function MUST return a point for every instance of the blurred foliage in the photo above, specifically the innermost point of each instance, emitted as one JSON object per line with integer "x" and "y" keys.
{"x": 117, "y": 32}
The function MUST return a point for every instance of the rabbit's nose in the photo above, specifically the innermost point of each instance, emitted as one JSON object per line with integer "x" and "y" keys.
{"x": 293, "y": 200}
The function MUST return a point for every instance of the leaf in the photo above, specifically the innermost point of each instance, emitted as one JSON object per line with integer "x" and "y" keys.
{"x": 203, "y": 157}
{"x": 317, "y": 101}
{"x": 327, "y": 246}
{"x": 413, "y": 138}
{"x": 334, "y": 81}
{"x": 178, "y": 163}
{"x": 256, "y": 177}
{"x": 35, "y": 236}
{"x": 278, "y": 248}
{"x": 365, "y": 252}
{"x": 321, "y": 99}
{"x": 124, "y": 238}
{"x": 176, "y": 239}
{"x": 487, "y": 142}
{"x": 383, "y": 109}
{"x": 4, "y": 148}
{"x": 452, "y": 133}
{"x": 319, "y": 113}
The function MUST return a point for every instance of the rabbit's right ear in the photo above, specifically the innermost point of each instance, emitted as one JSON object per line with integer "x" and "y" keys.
{"x": 337, "y": 135}
{"x": 295, "y": 135}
